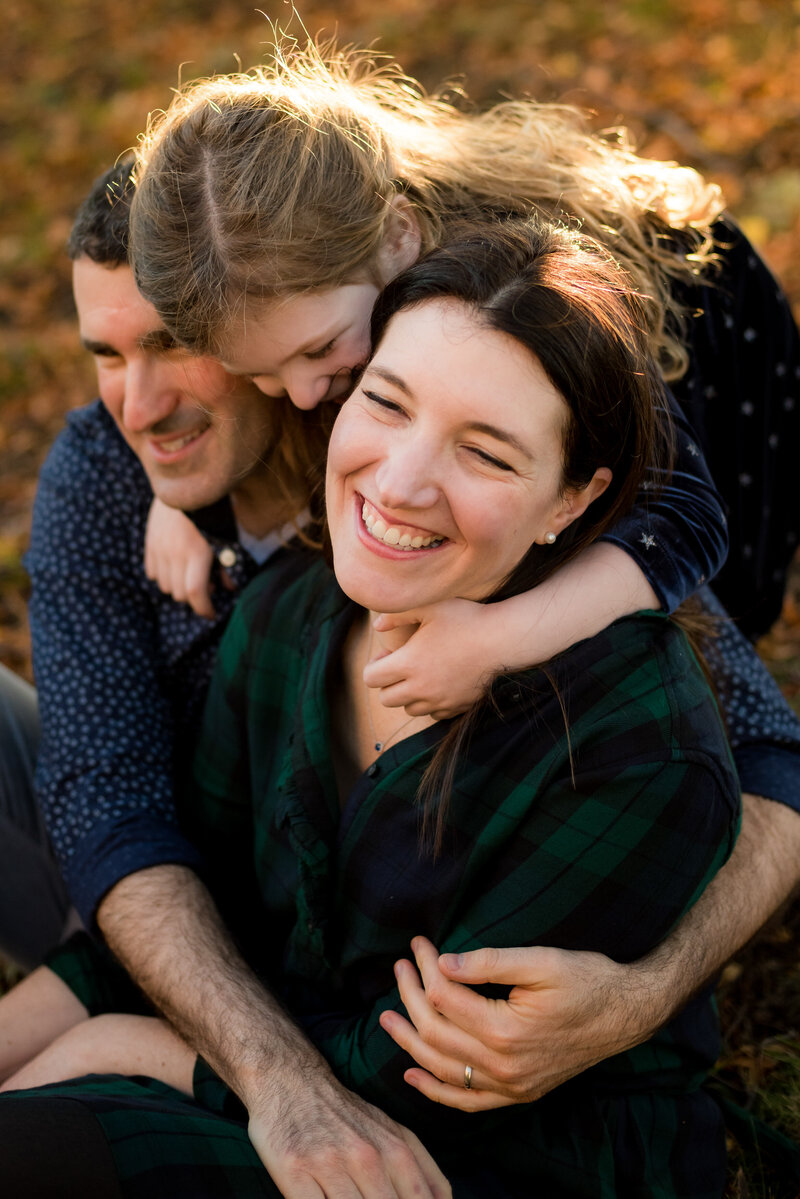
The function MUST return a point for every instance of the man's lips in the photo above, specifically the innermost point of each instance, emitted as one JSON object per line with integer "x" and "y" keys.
{"x": 174, "y": 443}
{"x": 395, "y": 534}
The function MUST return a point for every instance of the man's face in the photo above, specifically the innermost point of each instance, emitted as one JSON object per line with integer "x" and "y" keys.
{"x": 198, "y": 431}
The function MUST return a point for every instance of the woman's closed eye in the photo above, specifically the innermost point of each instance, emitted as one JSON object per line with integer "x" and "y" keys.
{"x": 382, "y": 402}
{"x": 490, "y": 459}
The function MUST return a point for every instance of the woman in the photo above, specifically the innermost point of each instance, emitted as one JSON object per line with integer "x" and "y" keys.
{"x": 585, "y": 804}
{"x": 300, "y": 188}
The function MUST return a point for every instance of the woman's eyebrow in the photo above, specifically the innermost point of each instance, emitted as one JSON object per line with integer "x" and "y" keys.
{"x": 389, "y": 377}
{"x": 501, "y": 435}
{"x": 478, "y": 426}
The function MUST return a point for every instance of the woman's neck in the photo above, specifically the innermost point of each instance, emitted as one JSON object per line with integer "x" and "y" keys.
{"x": 385, "y": 643}
{"x": 363, "y": 727}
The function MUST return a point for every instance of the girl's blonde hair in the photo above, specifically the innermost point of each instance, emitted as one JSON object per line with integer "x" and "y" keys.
{"x": 282, "y": 179}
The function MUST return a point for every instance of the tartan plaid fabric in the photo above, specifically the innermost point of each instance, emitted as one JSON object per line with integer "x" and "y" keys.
{"x": 94, "y": 975}
{"x": 597, "y": 842}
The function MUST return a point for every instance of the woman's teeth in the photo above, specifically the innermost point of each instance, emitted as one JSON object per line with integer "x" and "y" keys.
{"x": 389, "y": 535}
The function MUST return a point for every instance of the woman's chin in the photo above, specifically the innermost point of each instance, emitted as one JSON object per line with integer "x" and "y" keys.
{"x": 375, "y": 597}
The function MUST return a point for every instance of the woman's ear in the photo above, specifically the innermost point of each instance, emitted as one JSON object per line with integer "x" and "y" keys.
{"x": 402, "y": 240}
{"x": 574, "y": 503}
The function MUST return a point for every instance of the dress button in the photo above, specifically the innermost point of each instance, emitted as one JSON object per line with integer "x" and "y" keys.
{"x": 227, "y": 556}
{"x": 372, "y": 770}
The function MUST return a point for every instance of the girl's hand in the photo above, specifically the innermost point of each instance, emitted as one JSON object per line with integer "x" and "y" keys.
{"x": 565, "y": 1011}
{"x": 178, "y": 558}
{"x": 446, "y": 664}
{"x": 459, "y": 645}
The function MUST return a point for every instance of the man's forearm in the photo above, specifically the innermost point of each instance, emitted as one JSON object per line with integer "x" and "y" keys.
{"x": 164, "y": 927}
{"x": 312, "y": 1134}
{"x": 760, "y": 875}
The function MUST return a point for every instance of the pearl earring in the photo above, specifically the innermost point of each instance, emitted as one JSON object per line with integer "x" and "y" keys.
{"x": 550, "y": 538}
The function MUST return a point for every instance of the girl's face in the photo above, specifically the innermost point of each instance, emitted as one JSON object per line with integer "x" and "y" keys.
{"x": 446, "y": 463}
{"x": 307, "y": 346}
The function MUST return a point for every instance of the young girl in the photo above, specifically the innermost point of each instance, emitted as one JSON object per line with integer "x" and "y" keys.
{"x": 304, "y": 185}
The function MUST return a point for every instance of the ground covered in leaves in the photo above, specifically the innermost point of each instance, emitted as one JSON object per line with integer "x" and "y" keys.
{"x": 713, "y": 83}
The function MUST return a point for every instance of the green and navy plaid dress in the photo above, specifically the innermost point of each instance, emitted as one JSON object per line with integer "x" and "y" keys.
{"x": 599, "y": 841}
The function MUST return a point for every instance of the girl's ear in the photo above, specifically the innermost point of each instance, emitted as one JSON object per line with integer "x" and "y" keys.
{"x": 402, "y": 240}
{"x": 574, "y": 503}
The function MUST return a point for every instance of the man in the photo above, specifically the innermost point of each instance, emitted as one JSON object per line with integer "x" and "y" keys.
{"x": 122, "y": 671}
{"x": 121, "y": 668}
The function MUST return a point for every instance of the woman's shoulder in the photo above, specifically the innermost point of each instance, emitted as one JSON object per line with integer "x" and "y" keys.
{"x": 639, "y": 684}
{"x": 648, "y": 638}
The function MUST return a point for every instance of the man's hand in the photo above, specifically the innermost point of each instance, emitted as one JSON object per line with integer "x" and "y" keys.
{"x": 314, "y": 1136}
{"x": 318, "y": 1139}
{"x": 569, "y": 1010}
{"x": 565, "y": 1012}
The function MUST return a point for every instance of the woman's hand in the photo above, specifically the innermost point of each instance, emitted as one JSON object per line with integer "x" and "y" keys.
{"x": 178, "y": 558}
{"x": 444, "y": 667}
{"x": 566, "y": 1011}
{"x": 111, "y": 1044}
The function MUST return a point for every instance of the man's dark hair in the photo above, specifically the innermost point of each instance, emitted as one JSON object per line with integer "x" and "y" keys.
{"x": 100, "y": 231}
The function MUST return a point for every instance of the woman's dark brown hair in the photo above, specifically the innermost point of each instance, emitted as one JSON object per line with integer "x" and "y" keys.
{"x": 561, "y": 296}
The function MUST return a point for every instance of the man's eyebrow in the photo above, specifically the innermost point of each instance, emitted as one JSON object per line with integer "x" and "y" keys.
{"x": 157, "y": 339}
{"x": 98, "y": 347}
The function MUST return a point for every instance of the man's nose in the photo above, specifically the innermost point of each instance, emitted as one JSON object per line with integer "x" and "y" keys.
{"x": 151, "y": 394}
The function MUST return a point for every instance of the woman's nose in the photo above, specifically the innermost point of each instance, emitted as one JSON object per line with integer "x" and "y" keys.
{"x": 408, "y": 477}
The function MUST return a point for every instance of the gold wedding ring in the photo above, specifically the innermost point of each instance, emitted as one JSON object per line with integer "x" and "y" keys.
{"x": 468, "y": 1077}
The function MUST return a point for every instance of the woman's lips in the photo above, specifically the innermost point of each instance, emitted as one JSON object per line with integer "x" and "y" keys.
{"x": 397, "y": 536}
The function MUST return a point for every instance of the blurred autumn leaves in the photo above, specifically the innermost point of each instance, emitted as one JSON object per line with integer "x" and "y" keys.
{"x": 714, "y": 83}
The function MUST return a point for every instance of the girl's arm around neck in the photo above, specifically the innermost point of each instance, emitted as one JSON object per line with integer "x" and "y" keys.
{"x": 459, "y": 645}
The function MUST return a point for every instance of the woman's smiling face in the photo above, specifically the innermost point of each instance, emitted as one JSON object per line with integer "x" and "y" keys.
{"x": 446, "y": 463}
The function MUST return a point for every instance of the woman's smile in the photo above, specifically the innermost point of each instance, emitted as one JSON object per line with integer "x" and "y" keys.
{"x": 399, "y": 534}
